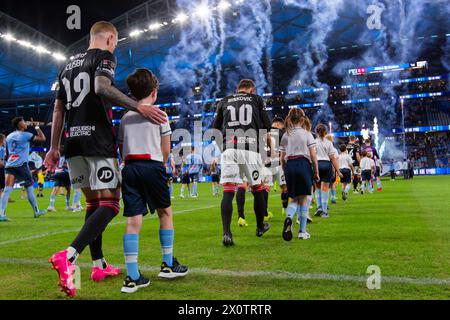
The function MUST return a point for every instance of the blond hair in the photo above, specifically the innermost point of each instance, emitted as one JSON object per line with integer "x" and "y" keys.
{"x": 102, "y": 27}
{"x": 297, "y": 117}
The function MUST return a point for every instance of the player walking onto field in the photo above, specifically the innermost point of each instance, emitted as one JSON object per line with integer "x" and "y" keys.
{"x": 195, "y": 162}
{"x": 145, "y": 148}
{"x": 215, "y": 171}
{"x": 170, "y": 172}
{"x": 2, "y": 163}
{"x": 353, "y": 150}
{"x": 62, "y": 180}
{"x": 16, "y": 167}
{"x": 236, "y": 114}
{"x": 84, "y": 99}
{"x": 298, "y": 157}
{"x": 185, "y": 179}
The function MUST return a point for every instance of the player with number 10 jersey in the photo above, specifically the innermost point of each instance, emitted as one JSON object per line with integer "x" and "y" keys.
{"x": 245, "y": 116}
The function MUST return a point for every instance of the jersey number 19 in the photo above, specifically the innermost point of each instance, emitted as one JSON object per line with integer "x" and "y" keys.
{"x": 81, "y": 85}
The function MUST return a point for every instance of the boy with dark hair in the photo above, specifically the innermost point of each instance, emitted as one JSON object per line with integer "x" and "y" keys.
{"x": 145, "y": 148}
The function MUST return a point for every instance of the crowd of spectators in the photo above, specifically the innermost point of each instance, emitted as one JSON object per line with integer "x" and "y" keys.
{"x": 439, "y": 144}
{"x": 416, "y": 149}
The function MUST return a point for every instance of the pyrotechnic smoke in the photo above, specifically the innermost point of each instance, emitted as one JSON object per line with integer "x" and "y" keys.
{"x": 312, "y": 47}
{"x": 197, "y": 58}
{"x": 395, "y": 43}
{"x": 250, "y": 32}
{"x": 189, "y": 63}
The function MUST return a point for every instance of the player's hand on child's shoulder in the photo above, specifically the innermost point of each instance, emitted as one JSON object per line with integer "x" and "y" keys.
{"x": 152, "y": 113}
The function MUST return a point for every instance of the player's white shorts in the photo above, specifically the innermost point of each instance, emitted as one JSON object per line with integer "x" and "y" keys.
{"x": 96, "y": 173}
{"x": 237, "y": 164}
{"x": 279, "y": 176}
{"x": 272, "y": 175}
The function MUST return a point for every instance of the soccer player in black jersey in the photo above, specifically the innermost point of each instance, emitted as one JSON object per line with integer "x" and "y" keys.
{"x": 354, "y": 151}
{"x": 241, "y": 117}
{"x": 84, "y": 100}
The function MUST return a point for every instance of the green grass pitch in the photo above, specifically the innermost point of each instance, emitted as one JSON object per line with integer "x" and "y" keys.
{"x": 405, "y": 230}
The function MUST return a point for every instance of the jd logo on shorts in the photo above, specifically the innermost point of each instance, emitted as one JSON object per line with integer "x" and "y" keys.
{"x": 105, "y": 175}
{"x": 255, "y": 175}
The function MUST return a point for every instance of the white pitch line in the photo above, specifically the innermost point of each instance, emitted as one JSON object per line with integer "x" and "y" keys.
{"x": 265, "y": 274}
{"x": 48, "y": 234}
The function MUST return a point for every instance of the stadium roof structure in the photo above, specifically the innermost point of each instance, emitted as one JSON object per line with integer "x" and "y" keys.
{"x": 24, "y": 73}
{"x": 28, "y": 75}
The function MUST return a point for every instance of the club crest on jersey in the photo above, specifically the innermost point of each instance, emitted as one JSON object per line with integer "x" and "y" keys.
{"x": 108, "y": 66}
{"x": 13, "y": 157}
{"x": 255, "y": 175}
{"x": 105, "y": 174}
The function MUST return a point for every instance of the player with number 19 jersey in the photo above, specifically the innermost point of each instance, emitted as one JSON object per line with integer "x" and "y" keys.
{"x": 88, "y": 116}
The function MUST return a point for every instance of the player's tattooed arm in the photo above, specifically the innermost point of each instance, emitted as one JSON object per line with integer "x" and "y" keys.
{"x": 105, "y": 89}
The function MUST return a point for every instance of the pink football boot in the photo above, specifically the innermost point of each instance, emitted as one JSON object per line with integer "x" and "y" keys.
{"x": 65, "y": 270}
{"x": 99, "y": 274}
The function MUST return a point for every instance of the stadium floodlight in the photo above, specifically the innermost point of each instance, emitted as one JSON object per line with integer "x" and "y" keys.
{"x": 181, "y": 18}
{"x": 136, "y": 33}
{"x": 41, "y": 49}
{"x": 223, "y": 5}
{"x": 58, "y": 56}
{"x": 25, "y": 44}
{"x": 9, "y": 37}
{"x": 155, "y": 26}
{"x": 202, "y": 11}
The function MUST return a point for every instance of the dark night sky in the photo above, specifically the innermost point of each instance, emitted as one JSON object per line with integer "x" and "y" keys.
{"x": 49, "y": 17}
